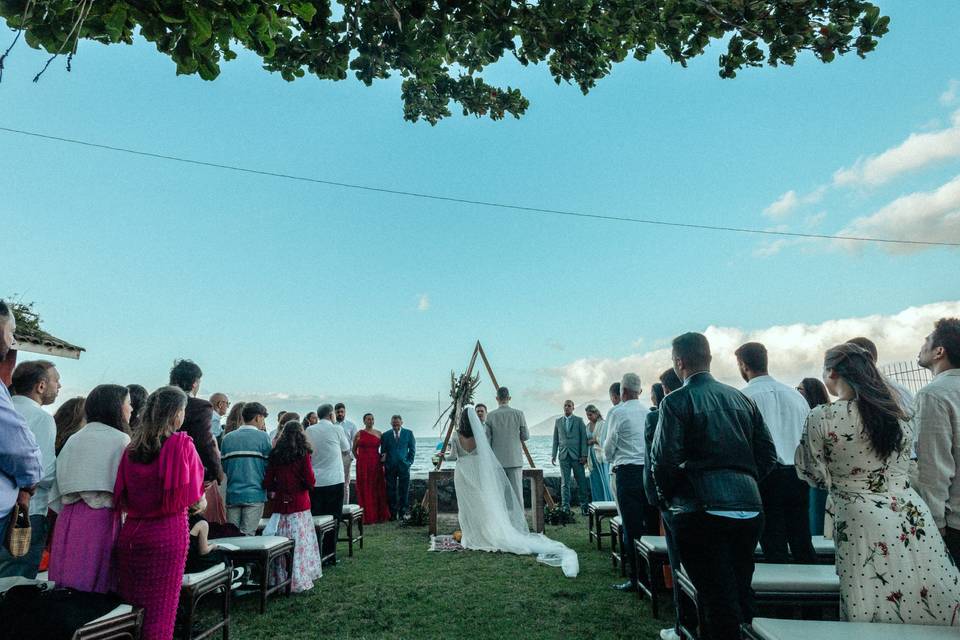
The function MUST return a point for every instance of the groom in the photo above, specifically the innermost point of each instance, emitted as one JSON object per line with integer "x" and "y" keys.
{"x": 570, "y": 441}
{"x": 506, "y": 428}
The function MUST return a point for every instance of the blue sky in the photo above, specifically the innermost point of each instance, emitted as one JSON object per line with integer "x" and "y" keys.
{"x": 276, "y": 286}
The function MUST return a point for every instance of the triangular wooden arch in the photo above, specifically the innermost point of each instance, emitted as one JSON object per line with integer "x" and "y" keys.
{"x": 454, "y": 420}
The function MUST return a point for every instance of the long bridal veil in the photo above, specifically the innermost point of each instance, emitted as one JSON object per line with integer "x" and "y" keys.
{"x": 491, "y": 516}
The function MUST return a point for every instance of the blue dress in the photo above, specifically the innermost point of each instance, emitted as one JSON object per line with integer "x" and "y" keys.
{"x": 599, "y": 470}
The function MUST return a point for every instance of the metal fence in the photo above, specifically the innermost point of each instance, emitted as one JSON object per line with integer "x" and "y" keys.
{"x": 907, "y": 373}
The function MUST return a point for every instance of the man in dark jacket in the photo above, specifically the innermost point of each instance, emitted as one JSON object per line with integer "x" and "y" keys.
{"x": 198, "y": 419}
{"x": 710, "y": 451}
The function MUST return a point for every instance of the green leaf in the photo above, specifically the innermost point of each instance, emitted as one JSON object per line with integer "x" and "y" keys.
{"x": 202, "y": 27}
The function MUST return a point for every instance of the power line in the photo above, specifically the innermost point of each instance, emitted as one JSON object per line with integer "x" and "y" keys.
{"x": 481, "y": 203}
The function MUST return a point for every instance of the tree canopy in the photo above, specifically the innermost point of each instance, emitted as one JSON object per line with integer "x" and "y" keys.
{"x": 441, "y": 47}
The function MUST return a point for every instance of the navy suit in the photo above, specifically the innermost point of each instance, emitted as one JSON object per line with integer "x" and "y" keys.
{"x": 400, "y": 450}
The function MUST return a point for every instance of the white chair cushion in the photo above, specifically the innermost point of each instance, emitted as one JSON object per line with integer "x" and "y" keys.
{"x": 806, "y": 629}
{"x": 251, "y": 543}
{"x": 805, "y": 578}
{"x": 350, "y": 509}
{"x": 263, "y": 523}
{"x": 194, "y": 578}
{"x": 226, "y": 546}
{"x": 119, "y": 611}
{"x": 823, "y": 546}
{"x": 319, "y": 521}
{"x": 617, "y": 519}
{"x": 16, "y": 581}
{"x": 607, "y": 505}
{"x": 44, "y": 576}
{"x": 657, "y": 544}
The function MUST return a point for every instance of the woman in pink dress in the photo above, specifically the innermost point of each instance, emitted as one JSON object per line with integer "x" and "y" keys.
{"x": 371, "y": 485}
{"x": 160, "y": 475}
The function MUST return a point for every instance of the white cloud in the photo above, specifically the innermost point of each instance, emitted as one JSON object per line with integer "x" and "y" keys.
{"x": 949, "y": 96}
{"x": 919, "y": 150}
{"x": 796, "y": 350}
{"x": 930, "y": 215}
{"x": 423, "y": 302}
{"x": 784, "y": 205}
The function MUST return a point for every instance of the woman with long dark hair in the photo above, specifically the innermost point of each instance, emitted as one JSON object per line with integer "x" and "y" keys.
{"x": 893, "y": 565}
{"x": 371, "y": 481}
{"x": 70, "y": 418}
{"x": 290, "y": 477}
{"x": 815, "y": 393}
{"x": 160, "y": 476}
{"x": 81, "y": 555}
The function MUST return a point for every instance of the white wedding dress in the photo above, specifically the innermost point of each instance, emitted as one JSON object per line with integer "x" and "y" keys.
{"x": 491, "y": 517}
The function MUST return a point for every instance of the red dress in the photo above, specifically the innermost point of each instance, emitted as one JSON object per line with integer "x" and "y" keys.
{"x": 152, "y": 550}
{"x": 371, "y": 485}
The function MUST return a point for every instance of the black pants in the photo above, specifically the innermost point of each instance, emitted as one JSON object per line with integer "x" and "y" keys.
{"x": 786, "y": 502}
{"x": 952, "y": 538}
{"x": 398, "y": 489}
{"x": 639, "y": 518}
{"x": 673, "y": 556}
{"x": 328, "y": 501}
{"x": 717, "y": 554}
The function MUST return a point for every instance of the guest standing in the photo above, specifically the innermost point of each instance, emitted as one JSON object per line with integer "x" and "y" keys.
{"x": 937, "y": 420}
{"x": 506, "y": 430}
{"x": 624, "y": 450}
{"x": 244, "y": 455}
{"x": 398, "y": 448}
{"x": 892, "y": 566}
{"x": 815, "y": 393}
{"x": 310, "y": 419}
{"x": 710, "y": 451}
{"x": 669, "y": 382}
{"x": 235, "y": 418}
{"x": 21, "y": 467}
{"x": 34, "y": 385}
{"x": 371, "y": 484}
{"x": 614, "y": 392}
{"x": 903, "y": 396}
{"x": 596, "y": 463}
{"x": 221, "y": 404}
{"x": 138, "y": 397}
{"x": 159, "y": 477}
{"x": 350, "y": 431}
{"x": 290, "y": 478}
{"x": 328, "y": 444}
{"x": 786, "y": 502}
{"x": 70, "y": 417}
{"x": 196, "y": 424}
{"x": 570, "y": 442}
{"x": 81, "y": 556}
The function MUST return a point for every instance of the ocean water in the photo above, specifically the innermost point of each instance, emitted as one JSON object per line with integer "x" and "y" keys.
{"x": 539, "y": 447}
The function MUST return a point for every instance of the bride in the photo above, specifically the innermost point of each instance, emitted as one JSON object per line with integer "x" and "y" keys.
{"x": 491, "y": 517}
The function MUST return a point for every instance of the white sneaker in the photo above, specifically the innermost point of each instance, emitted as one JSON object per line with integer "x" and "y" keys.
{"x": 669, "y": 634}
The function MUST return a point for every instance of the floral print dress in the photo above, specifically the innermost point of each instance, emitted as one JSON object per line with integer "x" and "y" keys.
{"x": 892, "y": 562}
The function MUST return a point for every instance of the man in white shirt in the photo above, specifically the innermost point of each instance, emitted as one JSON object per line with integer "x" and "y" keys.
{"x": 350, "y": 431}
{"x": 786, "y": 498}
{"x": 35, "y": 384}
{"x": 615, "y": 401}
{"x": 937, "y": 423}
{"x": 221, "y": 404}
{"x": 329, "y": 444}
{"x": 625, "y": 451}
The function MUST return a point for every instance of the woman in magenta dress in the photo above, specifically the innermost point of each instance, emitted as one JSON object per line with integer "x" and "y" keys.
{"x": 160, "y": 475}
{"x": 371, "y": 484}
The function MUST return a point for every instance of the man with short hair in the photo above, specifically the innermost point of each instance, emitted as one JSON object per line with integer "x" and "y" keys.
{"x": 570, "y": 442}
{"x": 21, "y": 466}
{"x": 35, "y": 384}
{"x": 904, "y": 397}
{"x": 614, "y": 392}
{"x": 786, "y": 527}
{"x": 625, "y": 452}
{"x": 197, "y": 422}
{"x": 245, "y": 454}
{"x": 710, "y": 451}
{"x": 398, "y": 449}
{"x": 670, "y": 382}
{"x": 350, "y": 431}
{"x": 506, "y": 430}
{"x": 329, "y": 444}
{"x": 481, "y": 412}
{"x": 937, "y": 423}
{"x": 221, "y": 404}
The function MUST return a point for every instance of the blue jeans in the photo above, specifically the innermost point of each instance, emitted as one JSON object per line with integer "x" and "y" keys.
{"x": 28, "y": 565}
{"x": 566, "y": 466}
{"x": 817, "y": 507}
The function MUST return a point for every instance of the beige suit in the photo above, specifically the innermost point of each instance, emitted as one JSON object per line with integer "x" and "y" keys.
{"x": 506, "y": 428}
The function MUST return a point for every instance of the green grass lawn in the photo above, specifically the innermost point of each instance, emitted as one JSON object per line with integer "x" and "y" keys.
{"x": 394, "y": 588}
